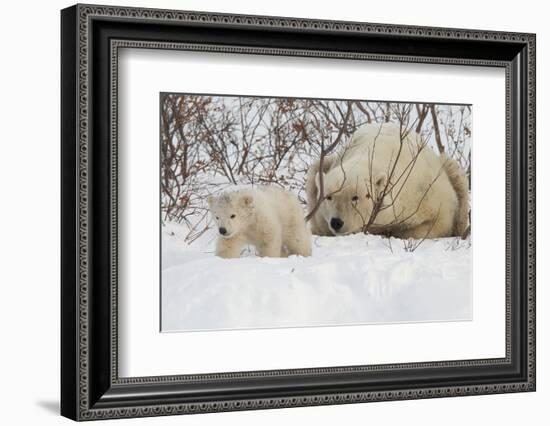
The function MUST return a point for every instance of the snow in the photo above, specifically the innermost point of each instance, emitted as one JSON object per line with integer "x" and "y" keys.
{"x": 354, "y": 279}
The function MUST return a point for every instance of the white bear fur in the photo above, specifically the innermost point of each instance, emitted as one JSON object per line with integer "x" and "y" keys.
{"x": 267, "y": 217}
{"x": 359, "y": 174}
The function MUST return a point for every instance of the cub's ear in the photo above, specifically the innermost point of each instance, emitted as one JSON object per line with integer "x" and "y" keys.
{"x": 210, "y": 200}
{"x": 247, "y": 200}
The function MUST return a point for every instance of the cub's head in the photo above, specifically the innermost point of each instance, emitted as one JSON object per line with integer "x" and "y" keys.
{"x": 231, "y": 211}
{"x": 348, "y": 199}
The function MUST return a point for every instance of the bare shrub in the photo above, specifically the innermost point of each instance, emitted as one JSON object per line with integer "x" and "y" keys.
{"x": 209, "y": 143}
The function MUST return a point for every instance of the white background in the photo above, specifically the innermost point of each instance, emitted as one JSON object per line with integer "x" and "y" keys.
{"x": 29, "y": 223}
{"x": 146, "y": 352}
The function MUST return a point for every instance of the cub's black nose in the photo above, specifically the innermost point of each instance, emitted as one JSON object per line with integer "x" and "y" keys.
{"x": 223, "y": 231}
{"x": 336, "y": 223}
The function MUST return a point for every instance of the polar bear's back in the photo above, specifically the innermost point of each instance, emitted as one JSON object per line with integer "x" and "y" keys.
{"x": 276, "y": 194}
{"x": 277, "y": 201}
{"x": 378, "y": 145}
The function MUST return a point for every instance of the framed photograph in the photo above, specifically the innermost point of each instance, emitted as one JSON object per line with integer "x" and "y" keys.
{"x": 263, "y": 212}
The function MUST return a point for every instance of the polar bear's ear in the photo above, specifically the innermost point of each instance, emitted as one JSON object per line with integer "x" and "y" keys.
{"x": 210, "y": 200}
{"x": 380, "y": 181}
{"x": 317, "y": 179}
{"x": 247, "y": 200}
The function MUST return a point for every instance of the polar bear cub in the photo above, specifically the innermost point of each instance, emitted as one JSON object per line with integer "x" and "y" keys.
{"x": 267, "y": 217}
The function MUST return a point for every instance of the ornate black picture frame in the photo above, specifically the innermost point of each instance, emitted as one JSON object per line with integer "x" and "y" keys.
{"x": 90, "y": 385}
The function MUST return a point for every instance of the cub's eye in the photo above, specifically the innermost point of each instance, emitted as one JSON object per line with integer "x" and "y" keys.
{"x": 354, "y": 198}
{"x": 232, "y": 216}
{"x": 217, "y": 218}
{"x": 368, "y": 195}
{"x": 329, "y": 198}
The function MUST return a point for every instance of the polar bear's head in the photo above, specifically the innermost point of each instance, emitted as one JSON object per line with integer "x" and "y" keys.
{"x": 348, "y": 201}
{"x": 231, "y": 211}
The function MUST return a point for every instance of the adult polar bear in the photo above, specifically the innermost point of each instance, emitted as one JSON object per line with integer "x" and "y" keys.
{"x": 421, "y": 195}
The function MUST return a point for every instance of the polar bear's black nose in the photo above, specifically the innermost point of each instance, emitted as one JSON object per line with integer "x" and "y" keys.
{"x": 223, "y": 231}
{"x": 336, "y": 223}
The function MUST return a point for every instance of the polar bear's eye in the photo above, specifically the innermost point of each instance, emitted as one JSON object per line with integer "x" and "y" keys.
{"x": 329, "y": 198}
{"x": 368, "y": 195}
{"x": 217, "y": 218}
{"x": 232, "y": 216}
{"x": 354, "y": 198}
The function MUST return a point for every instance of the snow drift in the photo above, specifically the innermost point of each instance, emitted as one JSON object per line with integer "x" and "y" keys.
{"x": 355, "y": 279}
